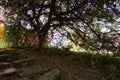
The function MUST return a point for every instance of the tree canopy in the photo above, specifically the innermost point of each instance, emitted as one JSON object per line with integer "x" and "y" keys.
{"x": 78, "y": 20}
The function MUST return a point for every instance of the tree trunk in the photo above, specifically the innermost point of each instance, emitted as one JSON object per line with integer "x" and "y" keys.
{"x": 41, "y": 45}
{"x": 42, "y": 38}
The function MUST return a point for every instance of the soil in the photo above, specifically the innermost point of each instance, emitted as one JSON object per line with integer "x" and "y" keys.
{"x": 74, "y": 69}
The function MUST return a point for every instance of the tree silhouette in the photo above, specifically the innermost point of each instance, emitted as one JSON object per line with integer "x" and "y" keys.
{"x": 64, "y": 16}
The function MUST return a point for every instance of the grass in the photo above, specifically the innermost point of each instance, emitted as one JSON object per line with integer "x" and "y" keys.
{"x": 110, "y": 65}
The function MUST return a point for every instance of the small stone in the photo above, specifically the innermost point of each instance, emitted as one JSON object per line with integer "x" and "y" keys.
{"x": 4, "y": 63}
{"x": 50, "y": 75}
{"x": 8, "y": 71}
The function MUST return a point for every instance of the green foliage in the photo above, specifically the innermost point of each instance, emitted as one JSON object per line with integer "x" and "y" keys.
{"x": 12, "y": 35}
{"x": 105, "y": 62}
{"x": 100, "y": 61}
{"x": 16, "y": 36}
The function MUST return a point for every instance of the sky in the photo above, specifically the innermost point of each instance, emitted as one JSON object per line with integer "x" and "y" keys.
{"x": 2, "y": 18}
{"x": 1, "y": 13}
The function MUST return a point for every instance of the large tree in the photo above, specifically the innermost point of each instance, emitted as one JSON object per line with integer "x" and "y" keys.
{"x": 65, "y": 16}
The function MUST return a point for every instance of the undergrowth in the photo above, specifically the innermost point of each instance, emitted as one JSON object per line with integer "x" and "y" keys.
{"x": 109, "y": 64}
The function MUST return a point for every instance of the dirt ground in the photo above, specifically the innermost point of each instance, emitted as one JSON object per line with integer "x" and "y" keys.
{"x": 64, "y": 63}
{"x": 74, "y": 69}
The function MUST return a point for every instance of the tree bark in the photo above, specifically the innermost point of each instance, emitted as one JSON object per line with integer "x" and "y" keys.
{"x": 41, "y": 44}
{"x": 42, "y": 40}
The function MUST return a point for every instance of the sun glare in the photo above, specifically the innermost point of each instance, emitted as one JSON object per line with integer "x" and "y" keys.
{"x": 2, "y": 37}
{"x": 3, "y": 43}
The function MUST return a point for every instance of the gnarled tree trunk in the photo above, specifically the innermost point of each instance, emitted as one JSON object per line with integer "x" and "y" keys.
{"x": 42, "y": 41}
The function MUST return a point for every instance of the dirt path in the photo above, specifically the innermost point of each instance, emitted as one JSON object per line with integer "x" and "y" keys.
{"x": 64, "y": 63}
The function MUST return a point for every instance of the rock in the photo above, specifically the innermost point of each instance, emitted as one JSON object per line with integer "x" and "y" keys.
{"x": 50, "y": 75}
{"x": 3, "y": 55}
{"x": 4, "y": 63}
{"x": 8, "y": 71}
{"x": 22, "y": 60}
{"x": 33, "y": 69}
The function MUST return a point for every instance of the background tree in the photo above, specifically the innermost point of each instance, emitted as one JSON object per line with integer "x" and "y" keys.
{"x": 16, "y": 36}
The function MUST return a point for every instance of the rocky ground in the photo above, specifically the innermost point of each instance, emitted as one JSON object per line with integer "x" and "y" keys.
{"x": 29, "y": 64}
{"x": 15, "y": 65}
